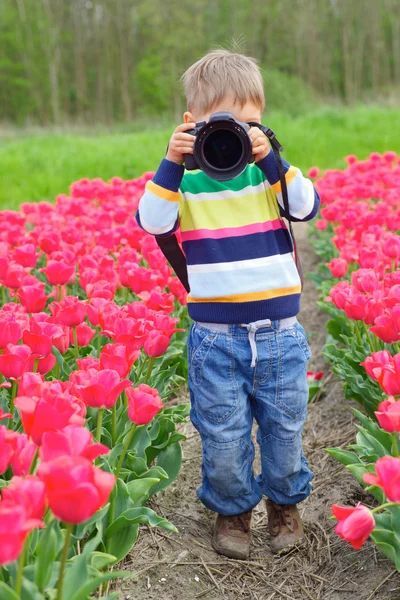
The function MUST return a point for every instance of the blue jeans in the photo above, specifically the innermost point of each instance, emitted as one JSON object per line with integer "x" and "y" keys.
{"x": 227, "y": 393}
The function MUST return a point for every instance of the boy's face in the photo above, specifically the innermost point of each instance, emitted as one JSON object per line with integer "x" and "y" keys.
{"x": 249, "y": 112}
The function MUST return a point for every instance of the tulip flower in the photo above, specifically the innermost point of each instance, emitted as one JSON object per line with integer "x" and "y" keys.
{"x": 14, "y": 361}
{"x": 338, "y": 267}
{"x": 70, "y": 311}
{"x": 15, "y": 526}
{"x": 26, "y": 255}
{"x": 374, "y": 363}
{"x": 70, "y": 441}
{"x": 144, "y": 403}
{"x": 33, "y": 297}
{"x": 50, "y": 412}
{"x": 6, "y": 451}
{"x": 387, "y": 477}
{"x": 58, "y": 272}
{"x": 39, "y": 343}
{"x": 84, "y": 334}
{"x": 75, "y": 489}
{"x": 388, "y": 415}
{"x": 28, "y": 492}
{"x": 102, "y": 389}
{"x": 355, "y": 524}
{"x": 156, "y": 343}
{"x": 118, "y": 358}
{"x": 10, "y": 330}
{"x": 22, "y": 450}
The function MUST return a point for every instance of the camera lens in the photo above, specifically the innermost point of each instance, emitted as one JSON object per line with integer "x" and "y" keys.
{"x": 223, "y": 149}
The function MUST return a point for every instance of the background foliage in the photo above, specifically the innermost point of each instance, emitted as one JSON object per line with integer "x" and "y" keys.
{"x": 103, "y": 61}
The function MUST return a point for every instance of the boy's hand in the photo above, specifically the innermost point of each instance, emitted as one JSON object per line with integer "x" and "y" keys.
{"x": 181, "y": 143}
{"x": 259, "y": 142}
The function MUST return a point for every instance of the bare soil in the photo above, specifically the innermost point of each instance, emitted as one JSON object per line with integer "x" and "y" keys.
{"x": 185, "y": 567}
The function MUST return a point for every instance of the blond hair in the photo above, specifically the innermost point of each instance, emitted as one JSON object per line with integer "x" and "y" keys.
{"x": 220, "y": 73}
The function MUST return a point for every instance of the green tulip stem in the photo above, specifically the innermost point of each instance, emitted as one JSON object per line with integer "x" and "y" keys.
{"x": 3, "y": 294}
{"x": 13, "y": 394}
{"x": 76, "y": 347}
{"x": 35, "y": 365}
{"x": 395, "y": 446}
{"x": 68, "y": 532}
{"x": 125, "y": 399}
{"x": 396, "y": 347}
{"x": 34, "y": 461}
{"x": 114, "y": 424}
{"x": 99, "y": 423}
{"x": 128, "y": 440}
{"x": 20, "y": 569}
{"x": 98, "y": 342}
{"x": 358, "y": 333}
{"x": 149, "y": 368}
{"x": 383, "y": 506}
{"x": 142, "y": 367}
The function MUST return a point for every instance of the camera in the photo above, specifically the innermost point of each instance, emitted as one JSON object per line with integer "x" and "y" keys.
{"x": 222, "y": 148}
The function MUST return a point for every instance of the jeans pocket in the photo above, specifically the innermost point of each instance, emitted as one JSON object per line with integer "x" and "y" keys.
{"x": 292, "y": 385}
{"x": 228, "y": 466}
{"x": 199, "y": 344}
{"x": 301, "y": 338}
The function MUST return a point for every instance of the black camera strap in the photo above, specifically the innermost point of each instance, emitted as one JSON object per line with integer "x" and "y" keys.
{"x": 172, "y": 251}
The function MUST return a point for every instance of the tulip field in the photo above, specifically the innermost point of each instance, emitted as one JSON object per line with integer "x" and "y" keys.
{"x": 92, "y": 347}
{"x": 89, "y": 352}
{"x": 357, "y": 239}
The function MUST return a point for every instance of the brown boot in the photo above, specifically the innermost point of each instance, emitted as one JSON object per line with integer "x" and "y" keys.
{"x": 284, "y": 524}
{"x": 232, "y": 535}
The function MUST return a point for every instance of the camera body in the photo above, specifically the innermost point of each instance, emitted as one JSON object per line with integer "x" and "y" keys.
{"x": 222, "y": 148}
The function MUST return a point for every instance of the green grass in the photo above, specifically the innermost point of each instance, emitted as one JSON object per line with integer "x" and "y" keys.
{"x": 40, "y": 166}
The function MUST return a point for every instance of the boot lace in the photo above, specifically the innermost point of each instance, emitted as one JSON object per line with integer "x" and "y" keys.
{"x": 240, "y": 522}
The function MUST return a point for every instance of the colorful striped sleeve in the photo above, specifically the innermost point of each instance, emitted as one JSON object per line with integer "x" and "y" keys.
{"x": 303, "y": 197}
{"x": 158, "y": 207}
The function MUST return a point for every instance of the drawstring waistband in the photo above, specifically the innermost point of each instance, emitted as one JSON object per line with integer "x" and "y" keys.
{"x": 252, "y": 329}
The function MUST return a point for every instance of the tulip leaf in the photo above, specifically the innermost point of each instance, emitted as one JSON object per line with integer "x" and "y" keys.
{"x": 358, "y": 471}
{"x": 6, "y": 593}
{"x": 143, "y": 516}
{"x": 370, "y": 441}
{"x": 101, "y": 560}
{"x": 121, "y": 543}
{"x": 93, "y": 584}
{"x": 46, "y": 553}
{"x": 83, "y": 529}
{"x": 373, "y": 428}
{"x": 344, "y": 456}
{"x": 139, "y": 489}
{"x": 65, "y": 370}
{"x": 170, "y": 459}
{"x": 388, "y": 543}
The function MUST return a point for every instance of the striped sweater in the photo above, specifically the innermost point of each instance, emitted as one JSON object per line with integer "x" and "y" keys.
{"x": 238, "y": 250}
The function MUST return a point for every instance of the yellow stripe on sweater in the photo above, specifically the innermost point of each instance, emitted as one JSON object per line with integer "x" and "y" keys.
{"x": 232, "y": 212}
{"x": 290, "y": 175}
{"x": 252, "y": 296}
{"x": 162, "y": 192}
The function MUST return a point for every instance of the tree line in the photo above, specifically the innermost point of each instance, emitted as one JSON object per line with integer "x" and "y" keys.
{"x": 104, "y": 61}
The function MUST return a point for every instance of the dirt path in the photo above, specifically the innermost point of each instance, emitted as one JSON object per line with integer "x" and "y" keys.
{"x": 184, "y": 567}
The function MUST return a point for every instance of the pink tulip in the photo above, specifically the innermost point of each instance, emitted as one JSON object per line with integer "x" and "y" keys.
{"x": 338, "y": 267}
{"x": 70, "y": 441}
{"x": 118, "y": 358}
{"x": 84, "y": 333}
{"x": 387, "y": 477}
{"x": 70, "y": 311}
{"x": 33, "y": 298}
{"x": 15, "y": 526}
{"x": 50, "y": 412}
{"x": 102, "y": 389}
{"x": 355, "y": 524}
{"x": 75, "y": 488}
{"x": 14, "y": 361}
{"x": 58, "y": 272}
{"x": 144, "y": 403}
{"x": 388, "y": 415}
{"x": 28, "y": 492}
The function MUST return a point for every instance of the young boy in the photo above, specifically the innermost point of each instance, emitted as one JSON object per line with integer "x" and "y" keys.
{"x": 247, "y": 351}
